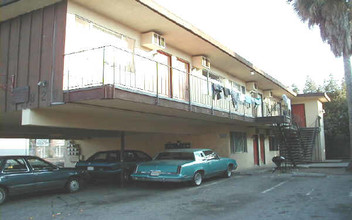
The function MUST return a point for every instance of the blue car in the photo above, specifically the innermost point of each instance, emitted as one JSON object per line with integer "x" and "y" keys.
{"x": 25, "y": 174}
{"x": 183, "y": 165}
{"x": 107, "y": 165}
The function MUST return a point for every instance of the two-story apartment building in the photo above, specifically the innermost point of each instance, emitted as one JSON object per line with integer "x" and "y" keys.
{"x": 100, "y": 71}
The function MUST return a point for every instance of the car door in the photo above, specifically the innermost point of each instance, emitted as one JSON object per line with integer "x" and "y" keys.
{"x": 46, "y": 175}
{"x": 17, "y": 176}
{"x": 215, "y": 165}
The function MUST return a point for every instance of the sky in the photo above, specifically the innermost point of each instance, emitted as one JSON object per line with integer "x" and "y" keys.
{"x": 268, "y": 33}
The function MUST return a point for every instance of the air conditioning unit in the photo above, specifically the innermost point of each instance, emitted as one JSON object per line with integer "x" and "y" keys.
{"x": 201, "y": 62}
{"x": 268, "y": 94}
{"x": 252, "y": 86}
{"x": 153, "y": 41}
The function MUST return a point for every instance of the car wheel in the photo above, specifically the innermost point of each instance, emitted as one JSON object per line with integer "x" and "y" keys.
{"x": 228, "y": 172}
{"x": 73, "y": 185}
{"x": 3, "y": 195}
{"x": 197, "y": 179}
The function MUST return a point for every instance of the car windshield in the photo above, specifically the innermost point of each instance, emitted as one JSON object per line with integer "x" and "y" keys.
{"x": 175, "y": 156}
{"x": 105, "y": 157}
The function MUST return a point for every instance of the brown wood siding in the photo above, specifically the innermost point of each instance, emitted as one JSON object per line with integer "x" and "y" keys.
{"x": 4, "y": 55}
{"x": 13, "y": 61}
{"x": 34, "y": 59}
{"x": 46, "y": 56}
{"x": 23, "y": 59}
{"x": 60, "y": 33}
{"x": 32, "y": 51}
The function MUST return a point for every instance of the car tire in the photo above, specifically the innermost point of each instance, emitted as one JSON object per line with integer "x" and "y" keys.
{"x": 73, "y": 185}
{"x": 228, "y": 172}
{"x": 3, "y": 195}
{"x": 197, "y": 178}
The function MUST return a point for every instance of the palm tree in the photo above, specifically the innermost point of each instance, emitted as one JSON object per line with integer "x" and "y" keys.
{"x": 334, "y": 19}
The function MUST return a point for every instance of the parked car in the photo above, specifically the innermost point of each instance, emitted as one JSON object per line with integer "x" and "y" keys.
{"x": 106, "y": 164}
{"x": 183, "y": 165}
{"x": 23, "y": 174}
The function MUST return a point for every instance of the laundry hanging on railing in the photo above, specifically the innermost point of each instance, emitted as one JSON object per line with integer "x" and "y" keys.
{"x": 235, "y": 98}
{"x": 226, "y": 92}
{"x": 256, "y": 102}
{"x": 217, "y": 91}
{"x": 248, "y": 100}
{"x": 242, "y": 98}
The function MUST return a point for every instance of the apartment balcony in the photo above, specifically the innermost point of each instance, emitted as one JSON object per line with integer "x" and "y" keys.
{"x": 109, "y": 72}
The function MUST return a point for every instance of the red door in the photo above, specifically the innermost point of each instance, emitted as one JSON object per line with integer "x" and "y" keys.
{"x": 256, "y": 150}
{"x": 262, "y": 148}
{"x": 299, "y": 115}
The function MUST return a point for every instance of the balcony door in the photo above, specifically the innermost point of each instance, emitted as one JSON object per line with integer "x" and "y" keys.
{"x": 164, "y": 73}
{"x": 180, "y": 77}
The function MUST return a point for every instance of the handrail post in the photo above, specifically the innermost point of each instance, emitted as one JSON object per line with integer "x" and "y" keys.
{"x": 189, "y": 91}
{"x": 157, "y": 83}
{"x": 103, "y": 66}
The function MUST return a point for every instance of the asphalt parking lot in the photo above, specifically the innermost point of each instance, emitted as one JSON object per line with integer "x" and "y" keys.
{"x": 316, "y": 194}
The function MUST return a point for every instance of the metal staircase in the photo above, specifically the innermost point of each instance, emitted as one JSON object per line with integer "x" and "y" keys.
{"x": 296, "y": 144}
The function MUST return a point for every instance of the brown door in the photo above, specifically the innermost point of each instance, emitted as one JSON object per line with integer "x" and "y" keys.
{"x": 180, "y": 79}
{"x": 164, "y": 73}
{"x": 256, "y": 150}
{"x": 262, "y": 148}
{"x": 299, "y": 115}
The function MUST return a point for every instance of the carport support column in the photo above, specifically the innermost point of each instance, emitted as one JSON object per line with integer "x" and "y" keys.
{"x": 121, "y": 157}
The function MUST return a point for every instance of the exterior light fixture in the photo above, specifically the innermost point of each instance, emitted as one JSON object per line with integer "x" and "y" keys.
{"x": 252, "y": 72}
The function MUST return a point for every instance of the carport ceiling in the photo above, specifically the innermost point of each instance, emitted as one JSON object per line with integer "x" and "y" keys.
{"x": 34, "y": 132}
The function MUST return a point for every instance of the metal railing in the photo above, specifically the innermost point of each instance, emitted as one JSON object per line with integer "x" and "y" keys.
{"x": 109, "y": 65}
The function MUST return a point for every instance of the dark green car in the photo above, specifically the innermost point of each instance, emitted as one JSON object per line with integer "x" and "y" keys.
{"x": 107, "y": 165}
{"x": 24, "y": 174}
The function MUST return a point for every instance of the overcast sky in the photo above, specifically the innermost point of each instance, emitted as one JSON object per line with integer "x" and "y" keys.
{"x": 267, "y": 33}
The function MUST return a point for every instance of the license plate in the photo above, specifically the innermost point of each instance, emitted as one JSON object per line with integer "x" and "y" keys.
{"x": 155, "y": 172}
{"x": 90, "y": 168}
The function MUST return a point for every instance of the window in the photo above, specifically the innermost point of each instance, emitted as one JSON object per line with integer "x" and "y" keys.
{"x": 236, "y": 86}
{"x": 273, "y": 144}
{"x": 175, "y": 156}
{"x": 38, "y": 164}
{"x": 100, "y": 156}
{"x": 15, "y": 165}
{"x": 142, "y": 156}
{"x": 211, "y": 155}
{"x": 238, "y": 142}
{"x": 129, "y": 157}
{"x": 243, "y": 89}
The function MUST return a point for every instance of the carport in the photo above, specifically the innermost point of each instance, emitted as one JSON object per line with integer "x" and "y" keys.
{"x": 11, "y": 128}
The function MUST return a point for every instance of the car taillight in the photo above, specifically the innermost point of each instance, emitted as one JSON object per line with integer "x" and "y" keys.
{"x": 179, "y": 169}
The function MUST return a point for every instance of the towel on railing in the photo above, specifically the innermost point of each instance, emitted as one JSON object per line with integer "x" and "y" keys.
{"x": 235, "y": 97}
{"x": 226, "y": 92}
{"x": 256, "y": 102}
{"x": 217, "y": 91}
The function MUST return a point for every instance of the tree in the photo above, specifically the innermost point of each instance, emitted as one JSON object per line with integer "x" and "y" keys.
{"x": 330, "y": 85}
{"x": 334, "y": 19}
{"x": 310, "y": 86}
{"x": 295, "y": 88}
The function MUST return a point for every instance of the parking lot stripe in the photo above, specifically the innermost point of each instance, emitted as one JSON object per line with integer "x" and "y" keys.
{"x": 274, "y": 187}
{"x": 310, "y": 192}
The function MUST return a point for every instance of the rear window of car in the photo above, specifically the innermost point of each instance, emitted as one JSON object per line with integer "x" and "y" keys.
{"x": 175, "y": 156}
{"x": 112, "y": 157}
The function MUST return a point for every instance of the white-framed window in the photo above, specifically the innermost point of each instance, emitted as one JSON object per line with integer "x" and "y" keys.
{"x": 238, "y": 142}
